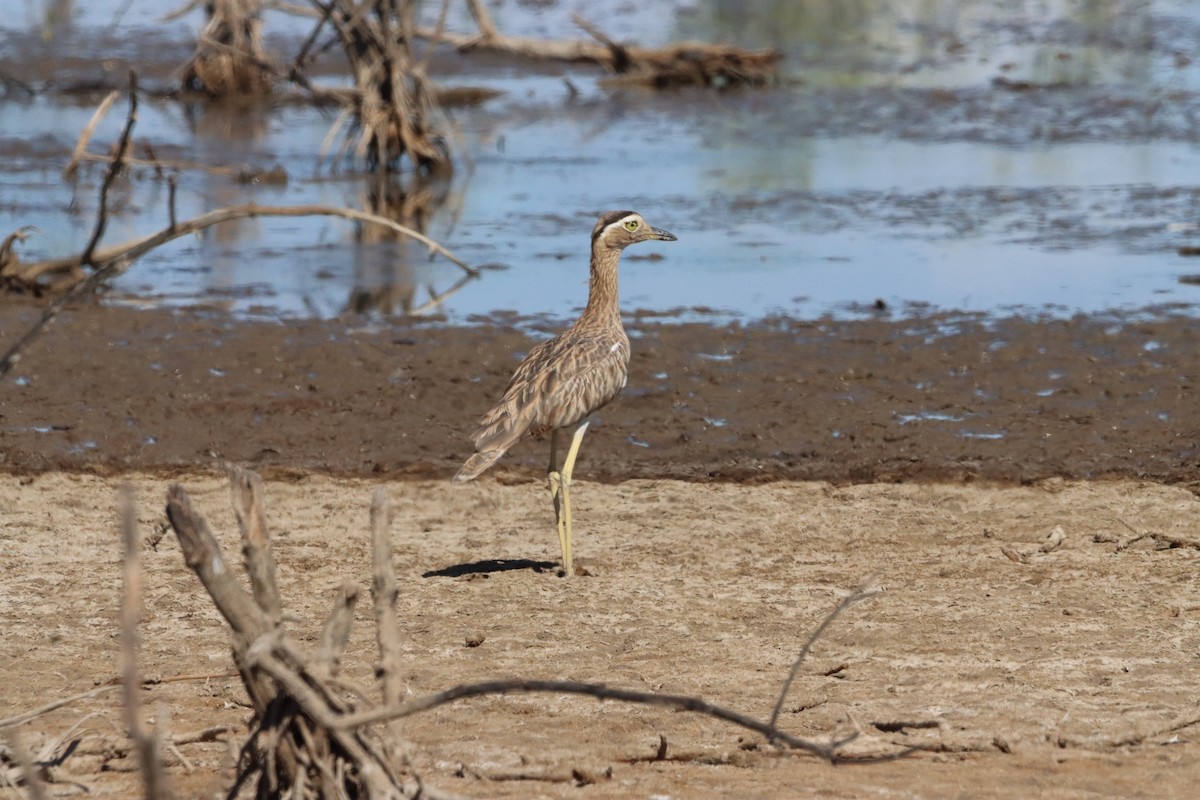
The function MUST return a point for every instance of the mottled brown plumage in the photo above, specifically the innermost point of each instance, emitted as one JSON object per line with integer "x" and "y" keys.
{"x": 565, "y": 379}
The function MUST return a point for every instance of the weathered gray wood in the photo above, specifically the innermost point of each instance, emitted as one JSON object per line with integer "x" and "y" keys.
{"x": 246, "y": 486}
{"x": 146, "y": 742}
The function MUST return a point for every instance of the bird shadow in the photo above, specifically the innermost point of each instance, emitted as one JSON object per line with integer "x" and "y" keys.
{"x": 489, "y": 566}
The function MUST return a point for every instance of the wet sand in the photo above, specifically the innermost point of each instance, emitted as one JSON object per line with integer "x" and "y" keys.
{"x": 948, "y": 397}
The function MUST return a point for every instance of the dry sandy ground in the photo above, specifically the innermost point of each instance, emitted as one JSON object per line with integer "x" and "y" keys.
{"x": 1054, "y": 671}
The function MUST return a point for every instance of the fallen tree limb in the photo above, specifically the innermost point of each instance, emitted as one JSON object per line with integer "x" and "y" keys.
{"x": 115, "y": 260}
{"x": 685, "y": 63}
{"x": 135, "y": 249}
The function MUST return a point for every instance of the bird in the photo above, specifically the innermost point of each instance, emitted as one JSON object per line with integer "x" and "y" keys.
{"x": 563, "y": 380}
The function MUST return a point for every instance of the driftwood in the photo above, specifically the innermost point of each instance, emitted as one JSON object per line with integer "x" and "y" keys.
{"x": 680, "y": 64}
{"x": 146, "y": 743}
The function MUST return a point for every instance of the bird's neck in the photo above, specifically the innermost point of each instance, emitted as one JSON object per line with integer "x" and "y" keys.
{"x": 603, "y": 297}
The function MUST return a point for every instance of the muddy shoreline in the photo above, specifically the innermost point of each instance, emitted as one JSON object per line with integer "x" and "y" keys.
{"x": 945, "y": 397}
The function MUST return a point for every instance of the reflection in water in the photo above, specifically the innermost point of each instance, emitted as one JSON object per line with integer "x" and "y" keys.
{"x": 391, "y": 267}
{"x": 850, "y": 43}
{"x": 966, "y": 154}
{"x": 225, "y": 134}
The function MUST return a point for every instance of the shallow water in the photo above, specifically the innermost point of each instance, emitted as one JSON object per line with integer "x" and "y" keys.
{"x": 889, "y": 164}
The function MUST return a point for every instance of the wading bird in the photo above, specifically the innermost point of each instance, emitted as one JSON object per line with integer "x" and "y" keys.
{"x": 563, "y": 380}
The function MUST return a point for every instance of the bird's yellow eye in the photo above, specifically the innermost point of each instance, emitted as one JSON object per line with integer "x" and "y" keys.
{"x": 631, "y": 225}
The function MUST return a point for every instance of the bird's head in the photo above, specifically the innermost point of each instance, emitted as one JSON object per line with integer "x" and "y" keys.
{"x": 616, "y": 230}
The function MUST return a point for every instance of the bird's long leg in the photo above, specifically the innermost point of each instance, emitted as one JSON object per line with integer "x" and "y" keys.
{"x": 554, "y": 477}
{"x": 568, "y": 468}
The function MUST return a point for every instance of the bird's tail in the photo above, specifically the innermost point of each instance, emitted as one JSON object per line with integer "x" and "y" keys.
{"x": 477, "y": 464}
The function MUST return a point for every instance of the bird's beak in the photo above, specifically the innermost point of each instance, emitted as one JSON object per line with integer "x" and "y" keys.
{"x": 659, "y": 233}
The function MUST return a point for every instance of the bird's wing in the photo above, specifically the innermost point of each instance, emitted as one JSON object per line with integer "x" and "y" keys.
{"x": 558, "y": 384}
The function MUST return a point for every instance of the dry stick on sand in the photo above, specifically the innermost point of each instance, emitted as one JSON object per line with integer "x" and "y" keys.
{"x": 145, "y": 743}
{"x": 298, "y": 749}
{"x": 256, "y": 545}
{"x": 384, "y": 592}
{"x": 864, "y": 591}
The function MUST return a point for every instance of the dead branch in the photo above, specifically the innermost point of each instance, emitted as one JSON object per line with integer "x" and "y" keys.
{"x": 372, "y": 768}
{"x": 111, "y": 685}
{"x": 132, "y": 250}
{"x": 293, "y": 746}
{"x": 864, "y": 591}
{"x": 1164, "y": 541}
{"x": 384, "y": 593}
{"x": 336, "y": 632}
{"x": 113, "y": 261}
{"x": 393, "y": 116}
{"x": 256, "y": 545}
{"x": 86, "y": 136}
{"x": 54, "y": 705}
{"x": 26, "y": 766}
{"x": 1133, "y": 739}
{"x": 9, "y": 271}
{"x": 114, "y": 168}
{"x": 203, "y": 555}
{"x": 683, "y": 64}
{"x": 145, "y": 743}
{"x": 310, "y": 737}
{"x": 828, "y": 751}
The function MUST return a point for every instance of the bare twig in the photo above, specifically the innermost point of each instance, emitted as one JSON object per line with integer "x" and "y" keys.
{"x": 145, "y": 742}
{"x": 864, "y": 591}
{"x": 13, "y": 355}
{"x": 114, "y": 169}
{"x": 487, "y": 28}
{"x": 86, "y": 136}
{"x": 256, "y": 542}
{"x": 1164, "y": 540}
{"x": 336, "y": 632}
{"x": 374, "y": 770}
{"x": 384, "y": 591}
{"x": 1134, "y": 738}
{"x": 132, "y": 250}
{"x": 54, "y": 705}
{"x": 203, "y": 555}
{"x": 40, "y": 711}
{"x": 597, "y": 690}
{"x": 115, "y": 259}
{"x": 16, "y": 237}
{"x": 29, "y": 770}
